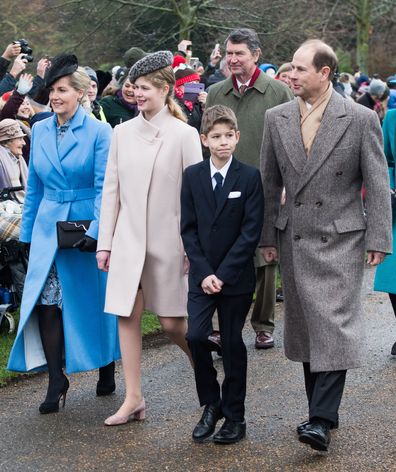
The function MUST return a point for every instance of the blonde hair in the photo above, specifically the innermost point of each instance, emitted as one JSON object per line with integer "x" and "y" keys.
{"x": 159, "y": 79}
{"x": 80, "y": 80}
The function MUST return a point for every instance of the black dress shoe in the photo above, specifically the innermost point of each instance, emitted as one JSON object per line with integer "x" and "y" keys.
{"x": 231, "y": 432}
{"x": 393, "y": 350}
{"x": 317, "y": 435}
{"x": 301, "y": 427}
{"x": 207, "y": 424}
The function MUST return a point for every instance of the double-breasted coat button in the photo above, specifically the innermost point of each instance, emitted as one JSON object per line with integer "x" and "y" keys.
{"x": 324, "y": 239}
{"x": 318, "y": 204}
{"x": 297, "y": 237}
{"x": 339, "y": 173}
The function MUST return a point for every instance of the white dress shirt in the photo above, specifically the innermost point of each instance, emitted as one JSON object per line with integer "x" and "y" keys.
{"x": 223, "y": 171}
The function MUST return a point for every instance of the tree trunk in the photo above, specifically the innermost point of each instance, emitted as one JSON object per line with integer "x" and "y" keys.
{"x": 363, "y": 27}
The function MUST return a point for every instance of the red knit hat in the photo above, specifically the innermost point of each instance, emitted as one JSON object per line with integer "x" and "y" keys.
{"x": 177, "y": 60}
{"x": 184, "y": 76}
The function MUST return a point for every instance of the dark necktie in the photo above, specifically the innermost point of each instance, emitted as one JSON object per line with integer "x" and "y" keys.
{"x": 242, "y": 89}
{"x": 219, "y": 186}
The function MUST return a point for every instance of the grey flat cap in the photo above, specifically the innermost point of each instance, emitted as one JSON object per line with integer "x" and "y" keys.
{"x": 150, "y": 63}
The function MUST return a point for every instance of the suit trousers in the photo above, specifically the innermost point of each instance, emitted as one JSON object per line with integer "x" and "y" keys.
{"x": 263, "y": 313}
{"x": 324, "y": 392}
{"x": 232, "y": 312}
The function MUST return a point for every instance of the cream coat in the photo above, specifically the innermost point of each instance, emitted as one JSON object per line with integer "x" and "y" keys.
{"x": 140, "y": 214}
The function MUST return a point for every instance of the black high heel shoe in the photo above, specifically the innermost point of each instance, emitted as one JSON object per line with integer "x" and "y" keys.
{"x": 106, "y": 384}
{"x": 53, "y": 406}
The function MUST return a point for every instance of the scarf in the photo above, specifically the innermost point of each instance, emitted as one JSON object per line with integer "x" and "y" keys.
{"x": 129, "y": 106}
{"x": 179, "y": 93}
{"x": 311, "y": 118}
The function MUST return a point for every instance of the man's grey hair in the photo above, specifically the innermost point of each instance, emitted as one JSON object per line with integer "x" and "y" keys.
{"x": 244, "y": 35}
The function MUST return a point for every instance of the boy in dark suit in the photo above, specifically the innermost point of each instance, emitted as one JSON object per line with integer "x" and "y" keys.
{"x": 222, "y": 210}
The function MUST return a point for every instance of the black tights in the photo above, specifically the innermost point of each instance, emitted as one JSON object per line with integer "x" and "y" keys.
{"x": 52, "y": 338}
{"x": 392, "y": 297}
{"x": 51, "y": 332}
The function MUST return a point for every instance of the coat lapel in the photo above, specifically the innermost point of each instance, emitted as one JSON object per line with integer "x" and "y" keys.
{"x": 333, "y": 126}
{"x": 289, "y": 128}
{"x": 229, "y": 182}
{"x": 49, "y": 147}
{"x": 207, "y": 186}
{"x": 69, "y": 140}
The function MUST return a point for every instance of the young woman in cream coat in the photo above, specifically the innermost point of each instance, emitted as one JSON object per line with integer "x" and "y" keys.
{"x": 139, "y": 236}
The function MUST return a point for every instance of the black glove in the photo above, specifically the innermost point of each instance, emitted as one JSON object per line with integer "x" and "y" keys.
{"x": 86, "y": 244}
{"x": 26, "y": 249}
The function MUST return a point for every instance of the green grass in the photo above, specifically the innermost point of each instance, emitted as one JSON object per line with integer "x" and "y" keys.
{"x": 150, "y": 325}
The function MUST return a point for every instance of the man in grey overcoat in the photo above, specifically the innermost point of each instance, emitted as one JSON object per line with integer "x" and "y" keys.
{"x": 322, "y": 148}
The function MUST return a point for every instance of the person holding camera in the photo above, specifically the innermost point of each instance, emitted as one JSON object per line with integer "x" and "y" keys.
{"x": 62, "y": 320}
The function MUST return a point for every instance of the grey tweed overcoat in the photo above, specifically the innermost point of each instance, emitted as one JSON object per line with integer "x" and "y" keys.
{"x": 322, "y": 230}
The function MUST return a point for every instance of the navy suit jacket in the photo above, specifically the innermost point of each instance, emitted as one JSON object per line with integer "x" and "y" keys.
{"x": 222, "y": 240}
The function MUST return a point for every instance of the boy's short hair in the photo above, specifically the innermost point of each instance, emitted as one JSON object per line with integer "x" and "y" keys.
{"x": 218, "y": 114}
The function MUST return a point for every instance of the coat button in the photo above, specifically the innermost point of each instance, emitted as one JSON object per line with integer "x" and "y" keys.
{"x": 296, "y": 237}
{"x": 297, "y": 204}
{"x": 318, "y": 204}
{"x": 339, "y": 173}
{"x": 324, "y": 239}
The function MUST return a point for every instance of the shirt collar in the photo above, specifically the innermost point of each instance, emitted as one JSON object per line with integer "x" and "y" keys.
{"x": 223, "y": 171}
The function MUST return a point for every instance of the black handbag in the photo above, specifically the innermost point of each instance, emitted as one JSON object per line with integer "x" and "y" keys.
{"x": 69, "y": 232}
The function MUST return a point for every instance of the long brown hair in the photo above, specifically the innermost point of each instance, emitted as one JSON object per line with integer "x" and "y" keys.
{"x": 159, "y": 79}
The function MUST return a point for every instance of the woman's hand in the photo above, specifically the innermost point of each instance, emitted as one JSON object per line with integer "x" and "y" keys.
{"x": 202, "y": 98}
{"x": 186, "y": 265}
{"x": 103, "y": 260}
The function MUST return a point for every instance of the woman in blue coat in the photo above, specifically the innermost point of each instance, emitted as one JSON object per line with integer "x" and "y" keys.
{"x": 385, "y": 277}
{"x": 62, "y": 320}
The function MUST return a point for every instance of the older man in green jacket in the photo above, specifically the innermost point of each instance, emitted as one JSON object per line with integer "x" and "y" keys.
{"x": 250, "y": 93}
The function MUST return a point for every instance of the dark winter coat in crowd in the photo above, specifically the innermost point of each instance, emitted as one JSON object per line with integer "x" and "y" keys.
{"x": 218, "y": 76}
{"x": 367, "y": 101}
{"x": 116, "y": 110}
{"x": 194, "y": 116}
{"x": 10, "y": 110}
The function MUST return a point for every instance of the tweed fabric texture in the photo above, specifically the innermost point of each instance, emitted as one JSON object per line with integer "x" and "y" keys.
{"x": 150, "y": 63}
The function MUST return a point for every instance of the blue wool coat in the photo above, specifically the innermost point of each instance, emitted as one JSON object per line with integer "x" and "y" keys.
{"x": 385, "y": 277}
{"x": 65, "y": 184}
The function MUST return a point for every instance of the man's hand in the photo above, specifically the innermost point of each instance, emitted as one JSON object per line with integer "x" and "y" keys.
{"x": 42, "y": 66}
{"x": 202, "y": 98}
{"x": 103, "y": 260}
{"x": 215, "y": 56}
{"x": 11, "y": 51}
{"x": 18, "y": 66}
{"x": 211, "y": 285}
{"x": 374, "y": 258}
{"x": 182, "y": 46}
{"x": 270, "y": 254}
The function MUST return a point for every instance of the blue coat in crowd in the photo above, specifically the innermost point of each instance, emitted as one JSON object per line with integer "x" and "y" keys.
{"x": 65, "y": 183}
{"x": 385, "y": 277}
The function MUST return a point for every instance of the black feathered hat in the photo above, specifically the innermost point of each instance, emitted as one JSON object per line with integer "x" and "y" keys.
{"x": 61, "y": 65}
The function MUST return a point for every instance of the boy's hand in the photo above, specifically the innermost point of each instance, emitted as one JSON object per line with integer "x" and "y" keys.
{"x": 270, "y": 254}
{"x": 211, "y": 285}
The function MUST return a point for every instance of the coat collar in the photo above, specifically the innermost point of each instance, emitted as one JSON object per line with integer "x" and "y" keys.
{"x": 335, "y": 122}
{"x": 150, "y": 130}
{"x": 229, "y": 182}
{"x": 260, "y": 84}
{"x": 69, "y": 141}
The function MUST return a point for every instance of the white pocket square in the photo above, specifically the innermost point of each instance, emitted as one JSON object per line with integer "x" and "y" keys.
{"x": 234, "y": 194}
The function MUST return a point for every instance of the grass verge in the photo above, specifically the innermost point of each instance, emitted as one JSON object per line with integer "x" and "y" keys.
{"x": 150, "y": 325}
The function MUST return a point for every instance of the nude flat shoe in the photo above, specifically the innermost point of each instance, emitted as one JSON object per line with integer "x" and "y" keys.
{"x": 138, "y": 414}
